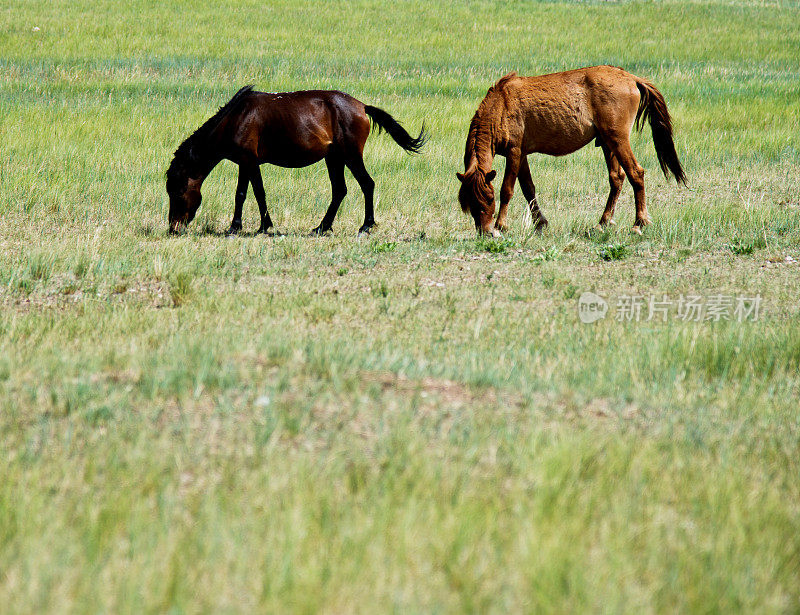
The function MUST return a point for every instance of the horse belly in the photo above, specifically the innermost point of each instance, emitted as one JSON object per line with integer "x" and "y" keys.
{"x": 562, "y": 147}
{"x": 294, "y": 159}
{"x": 297, "y": 139}
{"x": 558, "y": 129}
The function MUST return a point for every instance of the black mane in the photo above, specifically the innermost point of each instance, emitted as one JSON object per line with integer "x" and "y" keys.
{"x": 189, "y": 151}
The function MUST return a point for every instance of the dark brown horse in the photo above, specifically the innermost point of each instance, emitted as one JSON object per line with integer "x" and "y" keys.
{"x": 290, "y": 129}
{"x": 558, "y": 114}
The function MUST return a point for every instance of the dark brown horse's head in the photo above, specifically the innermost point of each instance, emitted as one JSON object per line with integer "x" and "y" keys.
{"x": 476, "y": 196}
{"x": 184, "y": 198}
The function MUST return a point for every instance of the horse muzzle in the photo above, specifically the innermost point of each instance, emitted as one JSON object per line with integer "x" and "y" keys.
{"x": 490, "y": 231}
{"x": 177, "y": 228}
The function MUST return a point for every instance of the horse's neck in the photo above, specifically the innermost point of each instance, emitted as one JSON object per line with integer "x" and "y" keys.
{"x": 200, "y": 165}
{"x": 204, "y": 169}
{"x": 206, "y": 147}
{"x": 481, "y": 148}
{"x": 483, "y": 135}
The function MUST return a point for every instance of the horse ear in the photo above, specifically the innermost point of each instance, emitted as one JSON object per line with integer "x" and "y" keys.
{"x": 460, "y": 176}
{"x": 490, "y": 175}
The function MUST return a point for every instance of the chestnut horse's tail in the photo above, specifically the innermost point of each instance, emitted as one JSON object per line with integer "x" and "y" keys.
{"x": 386, "y": 122}
{"x": 653, "y": 107}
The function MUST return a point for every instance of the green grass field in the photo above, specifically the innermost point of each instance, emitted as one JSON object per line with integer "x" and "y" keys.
{"x": 417, "y": 422}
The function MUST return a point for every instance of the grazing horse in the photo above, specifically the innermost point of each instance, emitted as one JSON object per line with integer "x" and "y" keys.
{"x": 289, "y": 129}
{"x": 558, "y": 114}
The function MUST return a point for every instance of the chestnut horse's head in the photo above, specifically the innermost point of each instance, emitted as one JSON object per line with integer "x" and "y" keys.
{"x": 184, "y": 198}
{"x": 476, "y": 196}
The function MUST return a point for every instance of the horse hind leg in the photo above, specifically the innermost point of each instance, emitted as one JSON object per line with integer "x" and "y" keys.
{"x": 338, "y": 192}
{"x": 367, "y": 184}
{"x": 616, "y": 177}
{"x": 621, "y": 148}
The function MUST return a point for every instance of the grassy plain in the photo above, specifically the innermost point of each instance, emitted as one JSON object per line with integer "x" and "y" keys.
{"x": 417, "y": 422}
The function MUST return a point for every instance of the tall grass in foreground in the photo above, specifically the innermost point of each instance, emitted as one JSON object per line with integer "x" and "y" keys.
{"x": 415, "y": 421}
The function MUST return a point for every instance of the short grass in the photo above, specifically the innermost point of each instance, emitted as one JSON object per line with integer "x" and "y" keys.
{"x": 417, "y": 421}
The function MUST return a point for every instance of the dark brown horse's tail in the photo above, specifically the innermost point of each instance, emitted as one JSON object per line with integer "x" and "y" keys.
{"x": 653, "y": 107}
{"x": 386, "y": 122}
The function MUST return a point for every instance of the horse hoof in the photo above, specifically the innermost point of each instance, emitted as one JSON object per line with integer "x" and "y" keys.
{"x": 636, "y": 230}
{"x": 492, "y": 232}
{"x": 599, "y": 229}
{"x": 232, "y": 231}
{"x": 318, "y": 231}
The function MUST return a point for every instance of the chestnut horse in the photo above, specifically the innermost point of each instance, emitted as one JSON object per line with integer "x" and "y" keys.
{"x": 558, "y": 114}
{"x": 289, "y": 129}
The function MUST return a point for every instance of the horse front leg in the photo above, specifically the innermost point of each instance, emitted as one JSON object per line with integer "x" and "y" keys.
{"x": 241, "y": 195}
{"x": 529, "y": 191}
{"x": 513, "y": 159}
{"x": 261, "y": 199}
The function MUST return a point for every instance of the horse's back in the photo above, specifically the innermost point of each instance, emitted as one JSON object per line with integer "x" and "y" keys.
{"x": 614, "y": 96}
{"x": 594, "y": 84}
{"x": 609, "y": 76}
{"x": 319, "y": 102}
{"x": 556, "y": 110}
{"x": 564, "y": 111}
{"x": 295, "y": 129}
